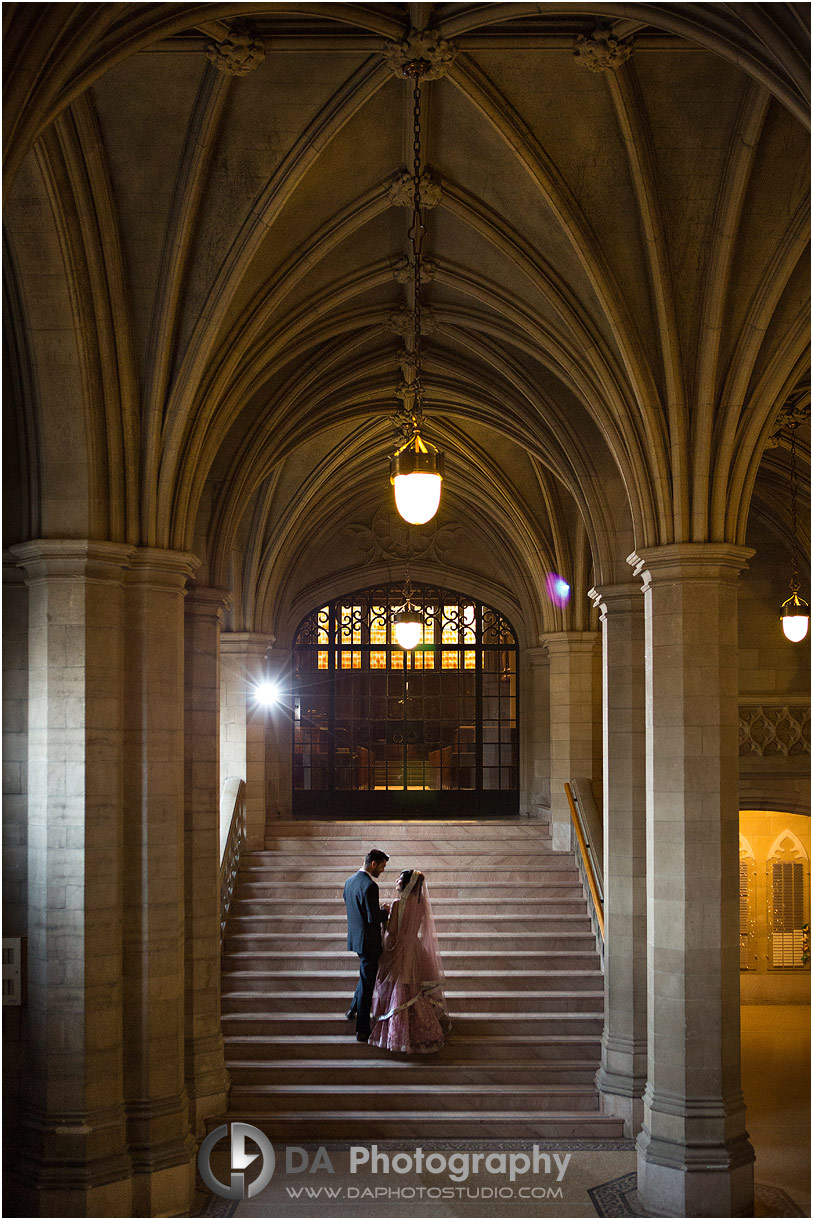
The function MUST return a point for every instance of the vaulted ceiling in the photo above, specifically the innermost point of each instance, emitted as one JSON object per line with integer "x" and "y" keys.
{"x": 206, "y": 235}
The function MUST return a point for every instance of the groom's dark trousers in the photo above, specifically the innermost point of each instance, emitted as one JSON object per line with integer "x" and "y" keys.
{"x": 364, "y": 920}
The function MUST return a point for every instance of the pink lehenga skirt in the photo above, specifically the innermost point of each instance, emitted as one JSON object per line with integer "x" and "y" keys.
{"x": 408, "y": 1017}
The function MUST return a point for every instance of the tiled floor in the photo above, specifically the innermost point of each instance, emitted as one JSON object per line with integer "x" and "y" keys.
{"x": 776, "y": 1084}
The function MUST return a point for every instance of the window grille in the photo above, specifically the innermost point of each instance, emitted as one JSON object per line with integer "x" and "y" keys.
{"x": 372, "y": 719}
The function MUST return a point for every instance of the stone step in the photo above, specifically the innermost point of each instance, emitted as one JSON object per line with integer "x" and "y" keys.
{"x": 549, "y": 871}
{"x": 499, "y": 962}
{"x": 440, "y": 845}
{"x": 287, "y": 999}
{"x": 251, "y": 1015}
{"x": 467, "y": 982}
{"x": 386, "y": 1071}
{"x": 368, "y": 831}
{"x": 444, "y": 908}
{"x": 277, "y": 1099}
{"x": 322, "y": 1125}
{"x": 499, "y": 893}
{"x": 435, "y": 860}
{"x": 540, "y": 1048}
{"x": 308, "y": 941}
{"x": 477, "y": 923}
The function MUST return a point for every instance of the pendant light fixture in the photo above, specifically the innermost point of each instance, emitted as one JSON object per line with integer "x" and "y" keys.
{"x": 407, "y": 620}
{"x": 795, "y": 612}
{"x": 416, "y": 467}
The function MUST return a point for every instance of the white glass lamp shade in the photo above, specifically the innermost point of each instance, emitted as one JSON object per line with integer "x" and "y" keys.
{"x": 408, "y": 628}
{"x": 417, "y": 496}
{"x": 795, "y": 618}
{"x": 416, "y": 473}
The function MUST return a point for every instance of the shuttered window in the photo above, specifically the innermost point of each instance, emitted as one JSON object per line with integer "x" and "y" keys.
{"x": 787, "y": 913}
{"x": 747, "y": 960}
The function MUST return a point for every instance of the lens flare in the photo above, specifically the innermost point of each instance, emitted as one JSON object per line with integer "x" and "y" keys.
{"x": 267, "y": 693}
{"x": 558, "y": 589}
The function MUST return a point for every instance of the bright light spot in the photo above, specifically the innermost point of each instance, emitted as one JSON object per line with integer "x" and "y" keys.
{"x": 267, "y": 693}
{"x": 408, "y": 634}
{"x": 558, "y": 589}
{"x": 468, "y": 616}
{"x": 795, "y": 627}
{"x": 417, "y": 496}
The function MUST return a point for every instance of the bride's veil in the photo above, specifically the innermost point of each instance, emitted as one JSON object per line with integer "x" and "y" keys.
{"x": 411, "y": 953}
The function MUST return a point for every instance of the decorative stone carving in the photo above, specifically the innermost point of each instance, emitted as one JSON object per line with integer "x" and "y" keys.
{"x": 601, "y": 51}
{"x": 239, "y": 53}
{"x": 399, "y": 321}
{"x": 389, "y": 537}
{"x": 406, "y": 363}
{"x": 767, "y": 731}
{"x": 401, "y": 193}
{"x": 428, "y": 45}
{"x": 794, "y": 412}
{"x": 402, "y": 270}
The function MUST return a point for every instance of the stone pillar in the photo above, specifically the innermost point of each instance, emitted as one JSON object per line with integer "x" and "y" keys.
{"x": 75, "y": 1159}
{"x": 572, "y": 721}
{"x": 16, "y": 1055}
{"x": 15, "y": 750}
{"x": 206, "y": 1078}
{"x": 622, "y": 1076}
{"x": 694, "y": 1158}
{"x": 161, "y": 1146}
{"x": 242, "y": 725}
{"x": 535, "y": 748}
{"x": 278, "y": 737}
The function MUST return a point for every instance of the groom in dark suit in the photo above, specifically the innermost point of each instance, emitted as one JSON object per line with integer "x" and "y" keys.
{"x": 365, "y": 916}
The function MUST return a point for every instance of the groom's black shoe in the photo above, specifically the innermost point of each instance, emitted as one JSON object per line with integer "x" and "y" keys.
{"x": 362, "y": 1037}
{"x": 350, "y": 1015}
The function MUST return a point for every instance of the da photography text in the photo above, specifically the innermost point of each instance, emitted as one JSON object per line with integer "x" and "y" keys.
{"x": 456, "y": 1167}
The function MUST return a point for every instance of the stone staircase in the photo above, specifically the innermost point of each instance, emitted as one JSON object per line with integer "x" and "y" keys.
{"x": 523, "y": 982}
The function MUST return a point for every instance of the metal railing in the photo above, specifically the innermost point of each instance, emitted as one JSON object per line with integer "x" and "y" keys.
{"x": 234, "y": 793}
{"x": 587, "y": 863}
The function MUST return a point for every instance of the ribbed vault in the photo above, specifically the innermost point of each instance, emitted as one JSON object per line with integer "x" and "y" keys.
{"x": 617, "y": 296}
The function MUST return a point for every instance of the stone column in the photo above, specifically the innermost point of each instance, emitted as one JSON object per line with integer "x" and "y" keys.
{"x": 75, "y": 1159}
{"x": 535, "y": 748}
{"x": 622, "y": 1076}
{"x": 278, "y": 737}
{"x": 694, "y": 1158}
{"x": 161, "y": 1145}
{"x": 16, "y": 1055}
{"x": 242, "y": 725}
{"x": 206, "y": 1078}
{"x": 572, "y": 721}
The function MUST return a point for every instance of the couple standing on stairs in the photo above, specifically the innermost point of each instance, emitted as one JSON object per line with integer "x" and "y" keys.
{"x": 399, "y": 1003}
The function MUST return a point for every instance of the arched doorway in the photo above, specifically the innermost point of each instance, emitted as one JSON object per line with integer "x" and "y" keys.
{"x": 427, "y": 733}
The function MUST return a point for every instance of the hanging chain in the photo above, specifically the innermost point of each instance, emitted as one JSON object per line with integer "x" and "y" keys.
{"x": 794, "y": 579}
{"x": 416, "y": 69}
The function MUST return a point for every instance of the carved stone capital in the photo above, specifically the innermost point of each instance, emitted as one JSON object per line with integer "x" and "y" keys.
{"x": 239, "y": 53}
{"x": 437, "y": 52}
{"x": 601, "y": 51}
{"x": 401, "y": 193}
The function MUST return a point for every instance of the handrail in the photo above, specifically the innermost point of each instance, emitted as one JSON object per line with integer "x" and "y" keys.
{"x": 588, "y": 866}
{"x": 233, "y": 848}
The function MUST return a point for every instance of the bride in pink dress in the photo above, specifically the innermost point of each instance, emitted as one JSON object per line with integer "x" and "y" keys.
{"x": 409, "y": 1012}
